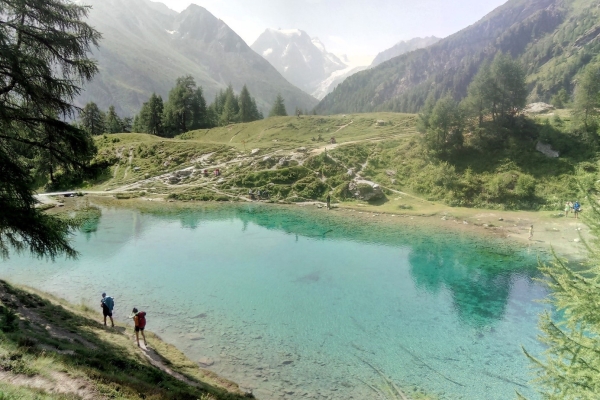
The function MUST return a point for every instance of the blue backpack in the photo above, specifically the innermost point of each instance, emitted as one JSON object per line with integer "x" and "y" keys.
{"x": 109, "y": 302}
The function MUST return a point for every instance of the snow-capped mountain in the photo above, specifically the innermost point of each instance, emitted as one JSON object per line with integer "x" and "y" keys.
{"x": 302, "y": 60}
{"x": 146, "y": 47}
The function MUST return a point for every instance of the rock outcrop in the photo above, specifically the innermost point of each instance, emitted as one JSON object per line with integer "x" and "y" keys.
{"x": 365, "y": 190}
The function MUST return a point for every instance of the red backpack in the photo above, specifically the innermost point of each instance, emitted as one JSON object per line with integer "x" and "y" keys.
{"x": 141, "y": 319}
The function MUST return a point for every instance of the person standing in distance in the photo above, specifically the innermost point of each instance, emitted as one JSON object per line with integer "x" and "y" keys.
{"x": 139, "y": 320}
{"x": 328, "y": 202}
{"x": 108, "y": 304}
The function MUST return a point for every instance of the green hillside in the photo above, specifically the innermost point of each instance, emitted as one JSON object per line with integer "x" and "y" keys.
{"x": 292, "y": 159}
{"x": 553, "y": 40}
{"x": 52, "y": 350}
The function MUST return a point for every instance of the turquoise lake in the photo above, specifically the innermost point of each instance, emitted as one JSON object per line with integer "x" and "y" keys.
{"x": 294, "y": 303}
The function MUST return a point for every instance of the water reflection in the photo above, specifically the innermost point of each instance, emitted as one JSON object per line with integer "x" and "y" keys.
{"x": 477, "y": 273}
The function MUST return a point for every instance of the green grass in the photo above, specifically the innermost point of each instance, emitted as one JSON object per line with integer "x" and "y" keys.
{"x": 512, "y": 175}
{"x": 46, "y": 338}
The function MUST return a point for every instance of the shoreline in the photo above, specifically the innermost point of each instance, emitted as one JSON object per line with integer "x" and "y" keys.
{"x": 552, "y": 231}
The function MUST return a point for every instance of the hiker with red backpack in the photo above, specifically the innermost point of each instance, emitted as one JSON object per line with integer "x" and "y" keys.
{"x": 139, "y": 319}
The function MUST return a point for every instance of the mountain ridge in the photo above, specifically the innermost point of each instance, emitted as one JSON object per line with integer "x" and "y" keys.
{"x": 541, "y": 34}
{"x": 146, "y": 47}
{"x": 302, "y": 60}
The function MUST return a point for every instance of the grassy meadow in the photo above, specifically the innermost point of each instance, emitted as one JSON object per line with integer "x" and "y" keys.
{"x": 293, "y": 160}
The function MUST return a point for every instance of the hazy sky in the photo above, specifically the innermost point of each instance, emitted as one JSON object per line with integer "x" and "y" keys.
{"x": 356, "y": 27}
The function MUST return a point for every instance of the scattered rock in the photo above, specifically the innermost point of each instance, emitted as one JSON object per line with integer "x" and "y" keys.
{"x": 538, "y": 108}
{"x": 390, "y": 172}
{"x": 254, "y": 152}
{"x": 205, "y": 361}
{"x": 287, "y": 362}
{"x": 136, "y": 169}
{"x": 547, "y": 150}
{"x": 184, "y": 172}
{"x": 500, "y": 219}
{"x": 174, "y": 179}
{"x": 365, "y": 190}
{"x": 380, "y": 122}
{"x": 301, "y": 150}
{"x": 283, "y": 162}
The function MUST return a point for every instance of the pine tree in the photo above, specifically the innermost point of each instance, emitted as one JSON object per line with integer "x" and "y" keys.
{"x": 149, "y": 120}
{"x": 278, "y": 107}
{"x": 181, "y": 111}
{"x": 572, "y": 332}
{"x": 446, "y": 125}
{"x": 92, "y": 119}
{"x": 246, "y": 106}
{"x": 199, "y": 111}
{"x": 112, "y": 122}
{"x": 44, "y": 59}
{"x": 587, "y": 98}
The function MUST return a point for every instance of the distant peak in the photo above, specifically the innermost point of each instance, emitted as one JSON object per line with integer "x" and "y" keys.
{"x": 286, "y": 32}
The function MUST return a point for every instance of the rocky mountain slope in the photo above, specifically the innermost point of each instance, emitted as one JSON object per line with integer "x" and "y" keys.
{"x": 553, "y": 39}
{"x": 403, "y": 47}
{"x": 146, "y": 46}
{"x": 302, "y": 60}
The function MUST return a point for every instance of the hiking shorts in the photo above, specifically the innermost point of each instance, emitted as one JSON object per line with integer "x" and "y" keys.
{"x": 106, "y": 311}
{"x": 137, "y": 329}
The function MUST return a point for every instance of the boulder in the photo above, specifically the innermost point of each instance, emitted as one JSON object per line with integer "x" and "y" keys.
{"x": 538, "y": 108}
{"x": 547, "y": 150}
{"x": 283, "y": 162}
{"x": 301, "y": 150}
{"x": 205, "y": 361}
{"x": 380, "y": 122}
{"x": 174, "y": 179}
{"x": 365, "y": 190}
{"x": 254, "y": 152}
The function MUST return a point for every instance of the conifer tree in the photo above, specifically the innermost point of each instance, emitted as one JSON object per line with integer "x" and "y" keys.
{"x": 571, "y": 333}
{"x": 43, "y": 62}
{"x": 92, "y": 119}
{"x": 247, "y": 112}
{"x": 278, "y": 107}
{"x": 445, "y": 126}
{"x": 183, "y": 110}
{"x": 587, "y": 98}
{"x": 112, "y": 122}
{"x": 149, "y": 120}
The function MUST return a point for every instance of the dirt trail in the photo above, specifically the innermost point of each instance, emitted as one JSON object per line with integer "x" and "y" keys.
{"x": 57, "y": 383}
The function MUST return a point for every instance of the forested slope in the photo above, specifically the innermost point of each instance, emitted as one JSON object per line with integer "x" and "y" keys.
{"x": 553, "y": 39}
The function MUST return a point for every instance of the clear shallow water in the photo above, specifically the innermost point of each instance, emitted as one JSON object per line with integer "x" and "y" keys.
{"x": 292, "y": 304}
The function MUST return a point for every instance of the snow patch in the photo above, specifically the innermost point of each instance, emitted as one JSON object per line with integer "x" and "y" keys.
{"x": 318, "y": 44}
{"x": 290, "y": 32}
{"x": 170, "y": 32}
{"x": 267, "y": 52}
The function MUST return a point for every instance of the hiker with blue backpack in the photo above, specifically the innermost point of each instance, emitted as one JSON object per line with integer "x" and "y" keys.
{"x": 139, "y": 320}
{"x": 108, "y": 304}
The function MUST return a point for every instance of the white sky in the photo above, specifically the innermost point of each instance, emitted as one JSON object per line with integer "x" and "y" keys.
{"x": 353, "y": 27}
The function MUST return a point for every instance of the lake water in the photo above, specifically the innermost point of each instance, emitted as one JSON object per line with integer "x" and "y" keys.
{"x": 303, "y": 304}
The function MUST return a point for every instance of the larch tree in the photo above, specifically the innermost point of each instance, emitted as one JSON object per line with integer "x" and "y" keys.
{"x": 587, "y": 99}
{"x": 44, "y": 61}
{"x": 278, "y": 109}
{"x": 91, "y": 118}
{"x": 112, "y": 123}
{"x": 571, "y": 332}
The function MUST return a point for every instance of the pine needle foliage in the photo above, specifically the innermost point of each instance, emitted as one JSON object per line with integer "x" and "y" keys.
{"x": 570, "y": 368}
{"x": 44, "y": 47}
